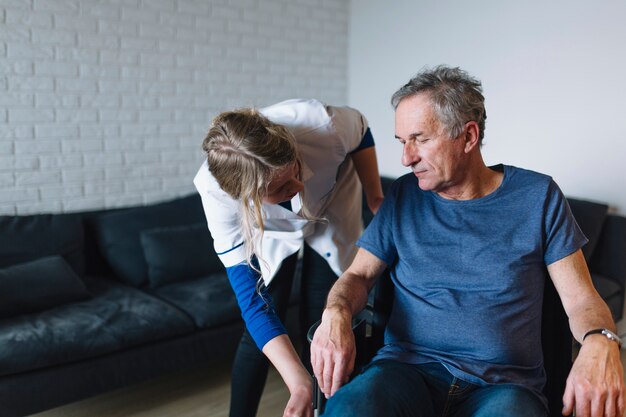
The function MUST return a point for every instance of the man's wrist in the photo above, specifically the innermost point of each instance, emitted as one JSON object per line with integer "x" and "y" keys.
{"x": 605, "y": 333}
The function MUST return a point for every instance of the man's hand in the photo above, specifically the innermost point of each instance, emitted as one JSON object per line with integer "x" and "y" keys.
{"x": 333, "y": 351}
{"x": 595, "y": 385}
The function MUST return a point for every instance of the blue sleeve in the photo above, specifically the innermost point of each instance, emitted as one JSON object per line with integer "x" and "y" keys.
{"x": 257, "y": 310}
{"x": 378, "y": 237}
{"x": 562, "y": 234}
{"x": 366, "y": 142}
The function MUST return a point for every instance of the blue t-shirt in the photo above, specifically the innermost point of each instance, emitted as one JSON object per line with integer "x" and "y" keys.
{"x": 469, "y": 275}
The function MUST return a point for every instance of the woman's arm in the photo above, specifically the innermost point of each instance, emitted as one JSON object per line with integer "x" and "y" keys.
{"x": 366, "y": 167}
{"x": 283, "y": 356}
{"x": 270, "y": 336}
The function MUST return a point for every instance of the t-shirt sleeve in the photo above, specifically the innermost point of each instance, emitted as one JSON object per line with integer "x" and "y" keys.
{"x": 563, "y": 236}
{"x": 378, "y": 236}
{"x": 257, "y": 309}
{"x": 351, "y": 127}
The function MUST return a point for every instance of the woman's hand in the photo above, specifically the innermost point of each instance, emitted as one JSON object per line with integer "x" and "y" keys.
{"x": 301, "y": 400}
{"x": 283, "y": 356}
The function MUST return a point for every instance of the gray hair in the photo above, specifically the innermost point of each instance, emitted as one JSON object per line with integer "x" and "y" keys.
{"x": 455, "y": 95}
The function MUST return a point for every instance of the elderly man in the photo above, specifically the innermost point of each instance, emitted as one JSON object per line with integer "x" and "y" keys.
{"x": 468, "y": 247}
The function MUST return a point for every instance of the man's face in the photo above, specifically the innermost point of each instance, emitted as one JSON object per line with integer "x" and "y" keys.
{"x": 435, "y": 159}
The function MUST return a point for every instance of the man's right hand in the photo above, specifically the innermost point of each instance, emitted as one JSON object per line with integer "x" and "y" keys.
{"x": 333, "y": 351}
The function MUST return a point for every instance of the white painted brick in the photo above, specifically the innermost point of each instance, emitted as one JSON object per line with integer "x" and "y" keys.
{"x": 63, "y": 192}
{"x": 178, "y": 19}
{"x": 105, "y": 10}
{"x": 139, "y": 130}
{"x": 133, "y": 85}
{"x": 100, "y": 100}
{"x": 225, "y": 12}
{"x": 103, "y": 160}
{"x": 37, "y": 178}
{"x": 76, "y": 116}
{"x": 99, "y": 131}
{"x": 150, "y": 30}
{"x": 191, "y": 34}
{"x": 82, "y": 145}
{"x": 66, "y": 69}
{"x": 154, "y": 87}
{"x": 83, "y": 25}
{"x": 119, "y": 144}
{"x": 116, "y": 27}
{"x": 19, "y": 195}
{"x": 123, "y": 201}
{"x": 156, "y": 115}
{"x": 197, "y": 7}
{"x": 157, "y": 60}
{"x": 56, "y": 100}
{"x": 60, "y": 6}
{"x": 139, "y": 15}
{"x": 178, "y": 47}
{"x": 25, "y": 208}
{"x": 22, "y": 50}
{"x": 17, "y": 99}
{"x": 30, "y": 115}
{"x": 121, "y": 173}
{"x": 47, "y": 162}
{"x": 140, "y": 73}
{"x": 82, "y": 55}
{"x": 73, "y": 85}
{"x": 175, "y": 74}
{"x": 53, "y": 36}
{"x": 117, "y": 86}
{"x": 17, "y": 4}
{"x": 83, "y": 204}
{"x": 37, "y": 147}
{"x": 14, "y": 33}
{"x": 140, "y": 100}
{"x": 80, "y": 175}
{"x": 20, "y": 132}
{"x": 142, "y": 185}
{"x": 119, "y": 57}
{"x": 7, "y": 180}
{"x": 99, "y": 71}
{"x": 99, "y": 41}
{"x": 118, "y": 116}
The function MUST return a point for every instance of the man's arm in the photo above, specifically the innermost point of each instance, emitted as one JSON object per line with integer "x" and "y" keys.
{"x": 595, "y": 385}
{"x": 332, "y": 349}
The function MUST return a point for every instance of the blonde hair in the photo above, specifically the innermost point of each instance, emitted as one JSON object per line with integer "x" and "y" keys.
{"x": 244, "y": 150}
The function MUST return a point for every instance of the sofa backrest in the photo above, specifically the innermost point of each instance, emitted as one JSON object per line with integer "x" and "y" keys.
{"x": 27, "y": 238}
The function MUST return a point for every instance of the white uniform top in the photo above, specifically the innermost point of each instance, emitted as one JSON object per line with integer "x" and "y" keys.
{"x": 325, "y": 136}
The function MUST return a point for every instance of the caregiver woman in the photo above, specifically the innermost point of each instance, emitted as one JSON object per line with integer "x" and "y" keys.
{"x": 274, "y": 180}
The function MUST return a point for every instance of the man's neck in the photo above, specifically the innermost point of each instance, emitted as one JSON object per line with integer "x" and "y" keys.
{"x": 476, "y": 183}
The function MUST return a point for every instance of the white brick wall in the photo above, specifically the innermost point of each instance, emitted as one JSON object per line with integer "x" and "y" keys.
{"x": 105, "y": 103}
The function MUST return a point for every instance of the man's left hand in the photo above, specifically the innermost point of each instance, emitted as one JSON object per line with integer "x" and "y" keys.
{"x": 595, "y": 385}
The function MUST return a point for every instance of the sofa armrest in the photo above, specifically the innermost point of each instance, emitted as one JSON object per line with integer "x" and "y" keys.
{"x": 609, "y": 256}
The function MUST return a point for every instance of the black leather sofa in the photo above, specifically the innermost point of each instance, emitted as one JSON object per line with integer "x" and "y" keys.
{"x": 94, "y": 301}
{"x": 98, "y": 300}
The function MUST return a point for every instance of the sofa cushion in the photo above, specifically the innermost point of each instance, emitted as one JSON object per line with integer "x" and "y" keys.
{"x": 209, "y": 300}
{"x": 38, "y": 285}
{"x": 116, "y": 318}
{"x": 26, "y": 238}
{"x": 118, "y": 233}
{"x": 179, "y": 253}
{"x": 590, "y": 217}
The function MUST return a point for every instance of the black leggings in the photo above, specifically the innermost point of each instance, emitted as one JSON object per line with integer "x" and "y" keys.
{"x": 250, "y": 365}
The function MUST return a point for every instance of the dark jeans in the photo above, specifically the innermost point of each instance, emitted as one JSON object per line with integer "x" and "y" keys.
{"x": 393, "y": 389}
{"x": 250, "y": 365}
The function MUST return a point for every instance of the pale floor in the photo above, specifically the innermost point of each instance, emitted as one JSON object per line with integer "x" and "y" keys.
{"x": 203, "y": 392}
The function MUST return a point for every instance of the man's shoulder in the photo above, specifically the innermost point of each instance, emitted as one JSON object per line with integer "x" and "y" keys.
{"x": 526, "y": 176}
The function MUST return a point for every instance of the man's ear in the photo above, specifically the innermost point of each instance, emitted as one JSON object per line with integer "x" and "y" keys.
{"x": 471, "y": 136}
